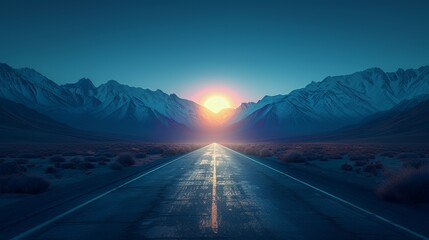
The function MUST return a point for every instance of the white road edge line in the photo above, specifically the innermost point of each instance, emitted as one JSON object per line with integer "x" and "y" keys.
{"x": 337, "y": 198}
{"x": 44, "y": 224}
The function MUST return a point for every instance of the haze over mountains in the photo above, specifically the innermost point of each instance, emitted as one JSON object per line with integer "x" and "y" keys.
{"x": 112, "y": 107}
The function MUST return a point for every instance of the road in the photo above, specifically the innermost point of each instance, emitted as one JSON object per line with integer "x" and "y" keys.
{"x": 213, "y": 192}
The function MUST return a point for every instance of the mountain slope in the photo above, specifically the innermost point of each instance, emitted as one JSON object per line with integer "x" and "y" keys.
{"x": 111, "y": 107}
{"x": 19, "y": 123}
{"x": 406, "y": 122}
{"x": 332, "y": 103}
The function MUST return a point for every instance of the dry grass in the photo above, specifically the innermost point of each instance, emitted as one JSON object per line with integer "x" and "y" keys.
{"x": 126, "y": 160}
{"x": 11, "y": 167}
{"x": 292, "y": 157}
{"x": 409, "y": 185}
{"x": 22, "y": 183}
{"x": 62, "y": 164}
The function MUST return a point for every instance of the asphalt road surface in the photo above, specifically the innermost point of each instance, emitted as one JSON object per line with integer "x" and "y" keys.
{"x": 214, "y": 193}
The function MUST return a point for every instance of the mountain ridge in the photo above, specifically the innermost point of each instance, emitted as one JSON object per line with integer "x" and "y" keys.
{"x": 322, "y": 106}
{"x": 332, "y": 103}
{"x": 103, "y": 108}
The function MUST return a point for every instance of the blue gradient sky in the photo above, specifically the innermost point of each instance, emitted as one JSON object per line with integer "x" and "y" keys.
{"x": 254, "y": 48}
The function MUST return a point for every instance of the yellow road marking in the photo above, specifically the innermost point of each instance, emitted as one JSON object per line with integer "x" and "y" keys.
{"x": 214, "y": 223}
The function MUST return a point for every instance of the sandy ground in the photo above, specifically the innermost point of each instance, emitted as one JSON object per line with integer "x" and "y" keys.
{"x": 64, "y": 177}
{"x": 366, "y": 164}
{"x": 335, "y": 165}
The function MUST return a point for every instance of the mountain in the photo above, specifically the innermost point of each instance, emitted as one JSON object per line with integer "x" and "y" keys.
{"x": 116, "y": 108}
{"x": 111, "y": 107}
{"x": 245, "y": 109}
{"x": 19, "y": 123}
{"x": 330, "y": 104}
{"x": 406, "y": 122}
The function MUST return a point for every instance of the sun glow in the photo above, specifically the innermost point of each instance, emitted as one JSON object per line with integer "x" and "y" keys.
{"x": 216, "y": 103}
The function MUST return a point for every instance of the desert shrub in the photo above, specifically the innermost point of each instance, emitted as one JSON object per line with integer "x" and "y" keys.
{"x": 31, "y": 165}
{"x": 51, "y": 170}
{"x": 409, "y": 186}
{"x": 109, "y": 155}
{"x": 238, "y": 148}
{"x": 57, "y": 159}
{"x": 251, "y": 150}
{"x": 312, "y": 156}
{"x": 155, "y": 150}
{"x": 335, "y": 156}
{"x": 85, "y": 165}
{"x": 21, "y": 161}
{"x": 11, "y": 167}
{"x": 169, "y": 152}
{"x": 182, "y": 150}
{"x": 388, "y": 154}
{"x": 103, "y": 159}
{"x": 292, "y": 157}
{"x": 90, "y": 159}
{"x": 360, "y": 163}
{"x": 66, "y": 165}
{"x": 22, "y": 183}
{"x": 75, "y": 160}
{"x": 140, "y": 155}
{"x": 126, "y": 160}
{"x": 346, "y": 167}
{"x": 265, "y": 152}
{"x": 358, "y": 157}
{"x": 373, "y": 167}
{"x": 29, "y": 155}
{"x": 415, "y": 163}
{"x": 116, "y": 166}
{"x": 370, "y": 168}
{"x": 186, "y": 149}
{"x": 85, "y": 154}
{"x": 378, "y": 165}
{"x": 407, "y": 155}
{"x": 69, "y": 154}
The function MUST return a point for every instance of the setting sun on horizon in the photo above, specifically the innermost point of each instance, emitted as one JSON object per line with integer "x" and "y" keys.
{"x": 217, "y": 97}
{"x": 216, "y": 103}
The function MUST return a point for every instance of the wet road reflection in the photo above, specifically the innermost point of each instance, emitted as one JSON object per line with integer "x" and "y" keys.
{"x": 215, "y": 193}
{"x": 214, "y": 206}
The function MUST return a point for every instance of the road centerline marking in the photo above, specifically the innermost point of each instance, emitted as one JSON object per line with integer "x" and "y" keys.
{"x": 214, "y": 223}
{"x": 403, "y": 228}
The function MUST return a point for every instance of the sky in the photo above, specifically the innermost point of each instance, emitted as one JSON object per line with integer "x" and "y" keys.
{"x": 246, "y": 49}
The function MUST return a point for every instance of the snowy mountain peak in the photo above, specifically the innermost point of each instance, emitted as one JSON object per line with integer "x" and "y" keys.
{"x": 5, "y": 67}
{"x": 334, "y": 102}
{"x": 423, "y": 68}
{"x": 113, "y": 83}
{"x": 83, "y": 89}
{"x": 85, "y": 82}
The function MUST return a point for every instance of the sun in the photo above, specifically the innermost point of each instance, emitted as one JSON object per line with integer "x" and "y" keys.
{"x": 216, "y": 103}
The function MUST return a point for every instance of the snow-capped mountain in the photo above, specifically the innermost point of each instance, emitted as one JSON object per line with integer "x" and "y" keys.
{"x": 111, "y": 107}
{"x": 245, "y": 109}
{"x": 332, "y": 103}
{"x": 322, "y": 106}
{"x": 30, "y": 88}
